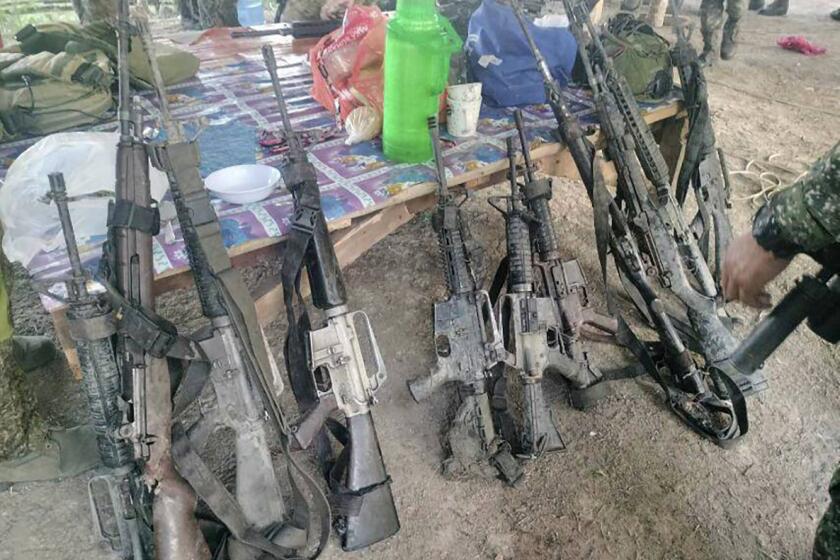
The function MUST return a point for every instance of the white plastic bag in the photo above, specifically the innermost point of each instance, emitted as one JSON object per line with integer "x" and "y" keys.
{"x": 88, "y": 162}
{"x": 362, "y": 124}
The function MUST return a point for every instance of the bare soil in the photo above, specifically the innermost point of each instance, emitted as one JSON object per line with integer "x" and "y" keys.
{"x": 634, "y": 483}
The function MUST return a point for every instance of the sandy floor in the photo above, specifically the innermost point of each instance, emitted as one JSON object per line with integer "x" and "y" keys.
{"x": 633, "y": 483}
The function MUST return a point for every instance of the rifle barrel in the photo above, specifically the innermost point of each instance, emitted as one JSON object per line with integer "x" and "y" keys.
{"x": 123, "y": 45}
{"x": 514, "y": 183}
{"x": 271, "y": 65}
{"x": 523, "y": 139}
{"x": 434, "y": 130}
{"x": 173, "y": 129}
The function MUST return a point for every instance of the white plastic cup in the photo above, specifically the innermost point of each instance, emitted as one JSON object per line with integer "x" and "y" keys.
{"x": 464, "y": 108}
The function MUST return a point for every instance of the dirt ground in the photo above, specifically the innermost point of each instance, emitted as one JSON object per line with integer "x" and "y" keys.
{"x": 634, "y": 483}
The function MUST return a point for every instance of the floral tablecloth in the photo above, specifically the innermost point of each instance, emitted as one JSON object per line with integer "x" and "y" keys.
{"x": 238, "y": 97}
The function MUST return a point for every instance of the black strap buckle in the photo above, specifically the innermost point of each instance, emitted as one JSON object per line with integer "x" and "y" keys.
{"x": 154, "y": 334}
{"x": 126, "y": 214}
{"x": 305, "y": 219}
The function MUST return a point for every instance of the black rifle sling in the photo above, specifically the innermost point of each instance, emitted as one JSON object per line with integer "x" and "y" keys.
{"x": 627, "y": 337}
{"x": 698, "y": 143}
{"x": 307, "y": 206}
{"x": 183, "y": 162}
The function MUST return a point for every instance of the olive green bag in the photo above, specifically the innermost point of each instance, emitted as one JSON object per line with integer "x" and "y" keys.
{"x": 641, "y": 55}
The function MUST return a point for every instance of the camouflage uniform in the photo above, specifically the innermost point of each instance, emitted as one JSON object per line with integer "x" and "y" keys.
{"x": 711, "y": 18}
{"x": 217, "y": 13}
{"x": 806, "y": 219}
{"x": 95, "y": 10}
{"x": 808, "y": 214}
{"x": 308, "y": 10}
{"x": 827, "y": 543}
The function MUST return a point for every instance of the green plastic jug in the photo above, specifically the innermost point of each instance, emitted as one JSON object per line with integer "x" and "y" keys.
{"x": 418, "y": 47}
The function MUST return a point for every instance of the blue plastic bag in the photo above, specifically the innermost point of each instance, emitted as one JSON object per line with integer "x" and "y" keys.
{"x": 512, "y": 79}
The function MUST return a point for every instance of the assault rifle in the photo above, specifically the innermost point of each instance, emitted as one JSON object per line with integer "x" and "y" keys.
{"x": 565, "y": 283}
{"x": 467, "y": 342}
{"x": 664, "y": 237}
{"x": 526, "y": 320}
{"x": 120, "y": 491}
{"x": 242, "y": 372}
{"x": 704, "y": 167}
{"x": 327, "y": 365}
{"x": 710, "y": 403}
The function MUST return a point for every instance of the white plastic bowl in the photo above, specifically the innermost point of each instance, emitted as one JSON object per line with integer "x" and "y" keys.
{"x": 244, "y": 184}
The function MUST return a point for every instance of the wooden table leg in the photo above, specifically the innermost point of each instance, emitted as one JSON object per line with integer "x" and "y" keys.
{"x": 671, "y": 135}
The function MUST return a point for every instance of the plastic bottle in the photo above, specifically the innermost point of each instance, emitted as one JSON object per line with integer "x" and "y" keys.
{"x": 250, "y": 12}
{"x": 418, "y": 48}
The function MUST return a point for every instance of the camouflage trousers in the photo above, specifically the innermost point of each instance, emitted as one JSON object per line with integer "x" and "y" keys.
{"x": 827, "y": 542}
{"x": 712, "y": 18}
{"x": 204, "y": 14}
{"x": 95, "y": 10}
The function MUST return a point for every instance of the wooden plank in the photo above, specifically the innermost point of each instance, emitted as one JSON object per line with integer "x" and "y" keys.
{"x": 62, "y": 331}
{"x": 349, "y": 246}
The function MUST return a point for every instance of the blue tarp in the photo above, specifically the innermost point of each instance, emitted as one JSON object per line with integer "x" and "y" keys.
{"x": 513, "y": 79}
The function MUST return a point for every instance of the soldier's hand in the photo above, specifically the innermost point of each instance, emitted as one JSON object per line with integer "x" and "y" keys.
{"x": 747, "y": 268}
{"x": 335, "y": 8}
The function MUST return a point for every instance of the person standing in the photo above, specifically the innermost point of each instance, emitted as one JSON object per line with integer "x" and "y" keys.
{"x": 802, "y": 219}
{"x": 314, "y": 10}
{"x": 712, "y": 20}
{"x": 90, "y": 11}
{"x": 776, "y": 8}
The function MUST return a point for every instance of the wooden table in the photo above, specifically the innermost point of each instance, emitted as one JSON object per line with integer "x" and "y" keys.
{"x": 356, "y": 233}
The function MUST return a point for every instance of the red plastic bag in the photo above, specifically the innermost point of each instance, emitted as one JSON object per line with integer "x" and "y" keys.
{"x": 800, "y": 44}
{"x": 347, "y": 64}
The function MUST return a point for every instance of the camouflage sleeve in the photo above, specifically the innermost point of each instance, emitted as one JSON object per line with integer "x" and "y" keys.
{"x": 807, "y": 215}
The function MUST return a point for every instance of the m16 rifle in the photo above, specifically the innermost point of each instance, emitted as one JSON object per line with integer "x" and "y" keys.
{"x": 467, "y": 342}
{"x": 565, "y": 283}
{"x": 704, "y": 167}
{"x": 658, "y": 223}
{"x": 526, "y": 320}
{"x": 128, "y": 529}
{"x": 242, "y": 372}
{"x": 710, "y": 403}
{"x": 327, "y": 365}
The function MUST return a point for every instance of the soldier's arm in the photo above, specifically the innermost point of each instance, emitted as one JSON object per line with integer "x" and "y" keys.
{"x": 806, "y": 217}
{"x": 802, "y": 219}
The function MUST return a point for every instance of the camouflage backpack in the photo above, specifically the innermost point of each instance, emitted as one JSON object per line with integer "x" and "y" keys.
{"x": 45, "y": 92}
{"x": 641, "y": 55}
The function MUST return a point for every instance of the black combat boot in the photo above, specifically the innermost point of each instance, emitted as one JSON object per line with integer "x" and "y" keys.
{"x": 729, "y": 44}
{"x": 756, "y": 5}
{"x": 777, "y": 8}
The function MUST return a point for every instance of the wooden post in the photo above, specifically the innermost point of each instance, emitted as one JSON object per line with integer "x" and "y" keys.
{"x": 656, "y": 16}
